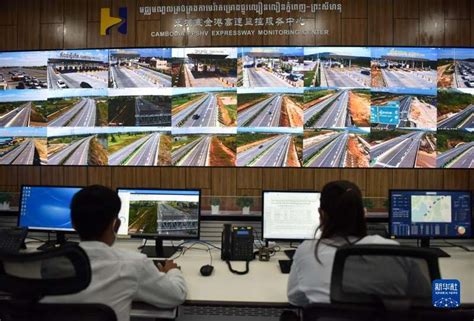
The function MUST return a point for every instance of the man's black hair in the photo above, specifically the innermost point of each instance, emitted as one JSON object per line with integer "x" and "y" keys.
{"x": 93, "y": 209}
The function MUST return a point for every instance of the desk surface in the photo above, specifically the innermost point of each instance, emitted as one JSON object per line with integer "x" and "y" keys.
{"x": 265, "y": 284}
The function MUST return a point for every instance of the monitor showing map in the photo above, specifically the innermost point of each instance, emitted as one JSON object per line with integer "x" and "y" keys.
{"x": 430, "y": 214}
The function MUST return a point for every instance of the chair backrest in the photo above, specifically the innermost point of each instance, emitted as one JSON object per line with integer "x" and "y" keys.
{"x": 380, "y": 282}
{"x": 34, "y": 275}
{"x": 387, "y": 275}
{"x": 25, "y": 278}
{"x": 354, "y": 312}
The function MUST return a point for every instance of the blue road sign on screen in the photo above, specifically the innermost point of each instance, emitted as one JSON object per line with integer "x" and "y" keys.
{"x": 388, "y": 115}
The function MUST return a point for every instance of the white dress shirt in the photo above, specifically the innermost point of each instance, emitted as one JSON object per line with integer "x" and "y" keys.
{"x": 120, "y": 277}
{"x": 310, "y": 281}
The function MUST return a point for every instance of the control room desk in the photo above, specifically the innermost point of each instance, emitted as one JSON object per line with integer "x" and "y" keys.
{"x": 265, "y": 285}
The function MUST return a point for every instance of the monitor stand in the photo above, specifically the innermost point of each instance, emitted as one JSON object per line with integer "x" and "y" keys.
{"x": 425, "y": 243}
{"x": 290, "y": 253}
{"x": 60, "y": 241}
{"x": 158, "y": 250}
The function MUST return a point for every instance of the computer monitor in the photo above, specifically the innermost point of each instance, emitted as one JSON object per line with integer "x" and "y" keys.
{"x": 161, "y": 214}
{"x": 290, "y": 216}
{"x": 428, "y": 214}
{"x": 46, "y": 208}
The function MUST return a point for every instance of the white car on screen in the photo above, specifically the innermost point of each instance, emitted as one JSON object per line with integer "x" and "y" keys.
{"x": 61, "y": 84}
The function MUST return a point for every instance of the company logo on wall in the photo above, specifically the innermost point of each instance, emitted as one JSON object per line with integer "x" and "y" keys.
{"x": 107, "y": 21}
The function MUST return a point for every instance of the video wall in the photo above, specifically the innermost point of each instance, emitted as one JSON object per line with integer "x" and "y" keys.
{"x": 340, "y": 107}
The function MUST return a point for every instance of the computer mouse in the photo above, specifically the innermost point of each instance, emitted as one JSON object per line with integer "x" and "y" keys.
{"x": 206, "y": 270}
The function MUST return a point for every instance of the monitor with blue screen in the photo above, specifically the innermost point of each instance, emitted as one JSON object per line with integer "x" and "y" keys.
{"x": 425, "y": 214}
{"x": 46, "y": 208}
{"x": 162, "y": 214}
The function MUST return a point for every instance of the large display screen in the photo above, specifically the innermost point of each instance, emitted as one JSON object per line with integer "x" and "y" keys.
{"x": 341, "y": 107}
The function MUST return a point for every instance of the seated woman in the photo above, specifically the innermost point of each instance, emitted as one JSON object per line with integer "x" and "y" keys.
{"x": 342, "y": 222}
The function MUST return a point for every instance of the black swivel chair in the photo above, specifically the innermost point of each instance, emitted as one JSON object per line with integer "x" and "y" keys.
{"x": 380, "y": 282}
{"x": 26, "y": 278}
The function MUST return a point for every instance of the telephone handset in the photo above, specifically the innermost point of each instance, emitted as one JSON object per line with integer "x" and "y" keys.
{"x": 237, "y": 245}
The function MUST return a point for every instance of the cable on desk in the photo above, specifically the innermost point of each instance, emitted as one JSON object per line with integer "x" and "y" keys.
{"x": 34, "y": 240}
{"x": 258, "y": 238}
{"x": 458, "y": 245}
{"x": 143, "y": 245}
{"x": 201, "y": 242}
{"x": 184, "y": 249}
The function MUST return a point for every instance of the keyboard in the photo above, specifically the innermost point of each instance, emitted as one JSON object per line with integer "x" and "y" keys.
{"x": 285, "y": 266}
{"x": 11, "y": 239}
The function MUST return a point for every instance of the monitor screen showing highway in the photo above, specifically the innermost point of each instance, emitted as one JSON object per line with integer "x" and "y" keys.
{"x": 161, "y": 213}
{"x": 318, "y": 107}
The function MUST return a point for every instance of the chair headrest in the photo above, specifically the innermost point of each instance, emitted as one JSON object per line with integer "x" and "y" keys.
{"x": 59, "y": 271}
{"x": 389, "y": 275}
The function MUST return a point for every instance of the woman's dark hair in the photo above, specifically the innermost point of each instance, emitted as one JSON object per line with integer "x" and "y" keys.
{"x": 344, "y": 213}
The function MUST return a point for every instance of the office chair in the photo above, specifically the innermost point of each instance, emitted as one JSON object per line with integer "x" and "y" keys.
{"x": 26, "y": 278}
{"x": 380, "y": 282}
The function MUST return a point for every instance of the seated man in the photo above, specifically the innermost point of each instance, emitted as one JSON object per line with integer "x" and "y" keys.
{"x": 118, "y": 277}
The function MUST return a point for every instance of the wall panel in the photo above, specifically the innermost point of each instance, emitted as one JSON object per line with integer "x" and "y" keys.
{"x": 330, "y": 21}
{"x": 404, "y": 179}
{"x": 404, "y": 32}
{"x": 53, "y": 175}
{"x": 249, "y": 178}
{"x": 173, "y": 177}
{"x": 10, "y": 38}
{"x": 430, "y": 179}
{"x": 52, "y": 11}
{"x": 8, "y": 12}
{"x": 94, "y": 40}
{"x": 99, "y": 175}
{"x": 144, "y": 28}
{"x": 197, "y": 177}
{"x": 300, "y": 179}
{"x": 9, "y": 177}
{"x": 224, "y": 181}
{"x": 406, "y": 9}
{"x": 457, "y": 9}
{"x": 357, "y": 176}
{"x": 28, "y": 175}
{"x": 35, "y": 24}
{"x": 76, "y": 176}
{"x": 354, "y": 9}
{"x": 354, "y": 32}
{"x": 29, "y": 25}
{"x": 93, "y": 9}
{"x": 431, "y": 23}
{"x": 75, "y": 23}
{"x": 453, "y": 36}
{"x": 455, "y": 180}
{"x": 135, "y": 177}
{"x": 322, "y": 176}
{"x": 472, "y": 25}
{"x": 380, "y": 22}
{"x": 378, "y": 182}
{"x": 52, "y": 36}
{"x": 275, "y": 179}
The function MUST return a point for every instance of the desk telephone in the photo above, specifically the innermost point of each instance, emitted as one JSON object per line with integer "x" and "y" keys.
{"x": 237, "y": 245}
